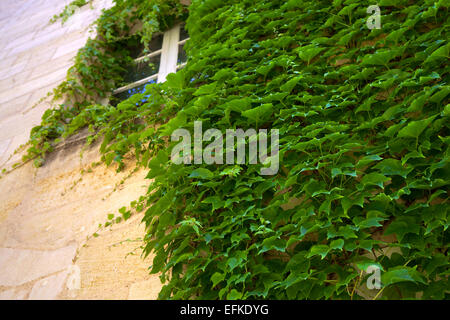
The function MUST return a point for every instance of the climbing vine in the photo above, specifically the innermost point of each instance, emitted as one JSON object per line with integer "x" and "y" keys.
{"x": 97, "y": 71}
{"x": 69, "y": 10}
{"x": 363, "y": 117}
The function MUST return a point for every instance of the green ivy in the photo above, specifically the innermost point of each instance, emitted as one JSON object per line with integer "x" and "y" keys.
{"x": 363, "y": 120}
{"x": 97, "y": 71}
{"x": 363, "y": 117}
{"x": 69, "y": 10}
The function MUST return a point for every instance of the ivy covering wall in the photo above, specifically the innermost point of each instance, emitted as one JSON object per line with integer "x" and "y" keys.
{"x": 363, "y": 117}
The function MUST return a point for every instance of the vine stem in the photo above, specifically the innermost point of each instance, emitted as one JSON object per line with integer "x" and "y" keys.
{"x": 379, "y": 292}
{"x": 357, "y": 283}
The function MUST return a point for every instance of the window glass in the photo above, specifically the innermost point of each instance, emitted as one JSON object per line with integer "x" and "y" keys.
{"x": 182, "y": 57}
{"x": 137, "y": 49}
{"x": 147, "y": 63}
{"x": 156, "y": 43}
{"x": 130, "y": 92}
{"x": 183, "y": 33}
{"x": 142, "y": 69}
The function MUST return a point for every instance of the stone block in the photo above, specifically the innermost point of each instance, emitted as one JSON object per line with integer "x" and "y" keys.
{"x": 48, "y": 288}
{"x": 20, "y": 266}
{"x": 12, "y": 70}
{"x": 145, "y": 290}
{"x": 71, "y": 47}
{"x": 30, "y": 86}
{"x": 13, "y": 294}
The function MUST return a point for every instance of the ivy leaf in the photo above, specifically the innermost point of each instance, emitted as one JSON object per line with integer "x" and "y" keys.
{"x": 337, "y": 244}
{"x": 363, "y": 263}
{"x": 175, "y": 80}
{"x": 415, "y": 128}
{"x": 273, "y": 243}
{"x": 238, "y": 237}
{"x": 401, "y": 274}
{"x": 234, "y": 295}
{"x": 166, "y": 219}
{"x": 347, "y": 202}
{"x": 215, "y": 201}
{"x": 347, "y": 10}
{"x": 298, "y": 263}
{"x": 158, "y": 262}
{"x": 201, "y": 173}
{"x": 289, "y": 86}
{"x": 216, "y": 278}
{"x": 292, "y": 279}
{"x": 206, "y": 89}
{"x": 370, "y": 222}
{"x": 440, "y": 95}
{"x": 441, "y": 53}
{"x": 347, "y": 232}
{"x": 412, "y": 155}
{"x": 315, "y": 188}
{"x": 402, "y": 226}
{"x": 374, "y": 179}
{"x": 367, "y": 160}
{"x": 237, "y": 105}
{"x": 320, "y": 249}
{"x": 265, "y": 69}
{"x": 391, "y": 167}
{"x": 173, "y": 124}
{"x": 223, "y": 74}
{"x": 233, "y": 263}
{"x": 260, "y": 113}
{"x": 335, "y": 172}
{"x": 308, "y": 53}
{"x": 126, "y": 214}
{"x": 380, "y": 58}
{"x": 395, "y": 35}
{"x": 231, "y": 171}
{"x": 436, "y": 261}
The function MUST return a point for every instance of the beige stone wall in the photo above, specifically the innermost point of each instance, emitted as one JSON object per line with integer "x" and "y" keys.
{"x": 48, "y": 215}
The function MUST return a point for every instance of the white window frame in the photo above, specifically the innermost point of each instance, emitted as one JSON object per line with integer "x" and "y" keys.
{"x": 168, "y": 62}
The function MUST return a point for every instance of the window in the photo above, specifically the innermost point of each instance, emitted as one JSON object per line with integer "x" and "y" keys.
{"x": 166, "y": 56}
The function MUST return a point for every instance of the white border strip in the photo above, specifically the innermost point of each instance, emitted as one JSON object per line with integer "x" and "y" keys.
{"x": 150, "y": 55}
{"x": 135, "y": 84}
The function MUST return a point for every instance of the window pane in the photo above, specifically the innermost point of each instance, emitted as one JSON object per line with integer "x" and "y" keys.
{"x": 130, "y": 92}
{"x": 183, "y": 33}
{"x": 142, "y": 69}
{"x": 137, "y": 49}
{"x": 156, "y": 43}
{"x": 182, "y": 57}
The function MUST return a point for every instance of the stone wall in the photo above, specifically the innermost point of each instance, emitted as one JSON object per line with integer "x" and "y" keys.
{"x": 48, "y": 216}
